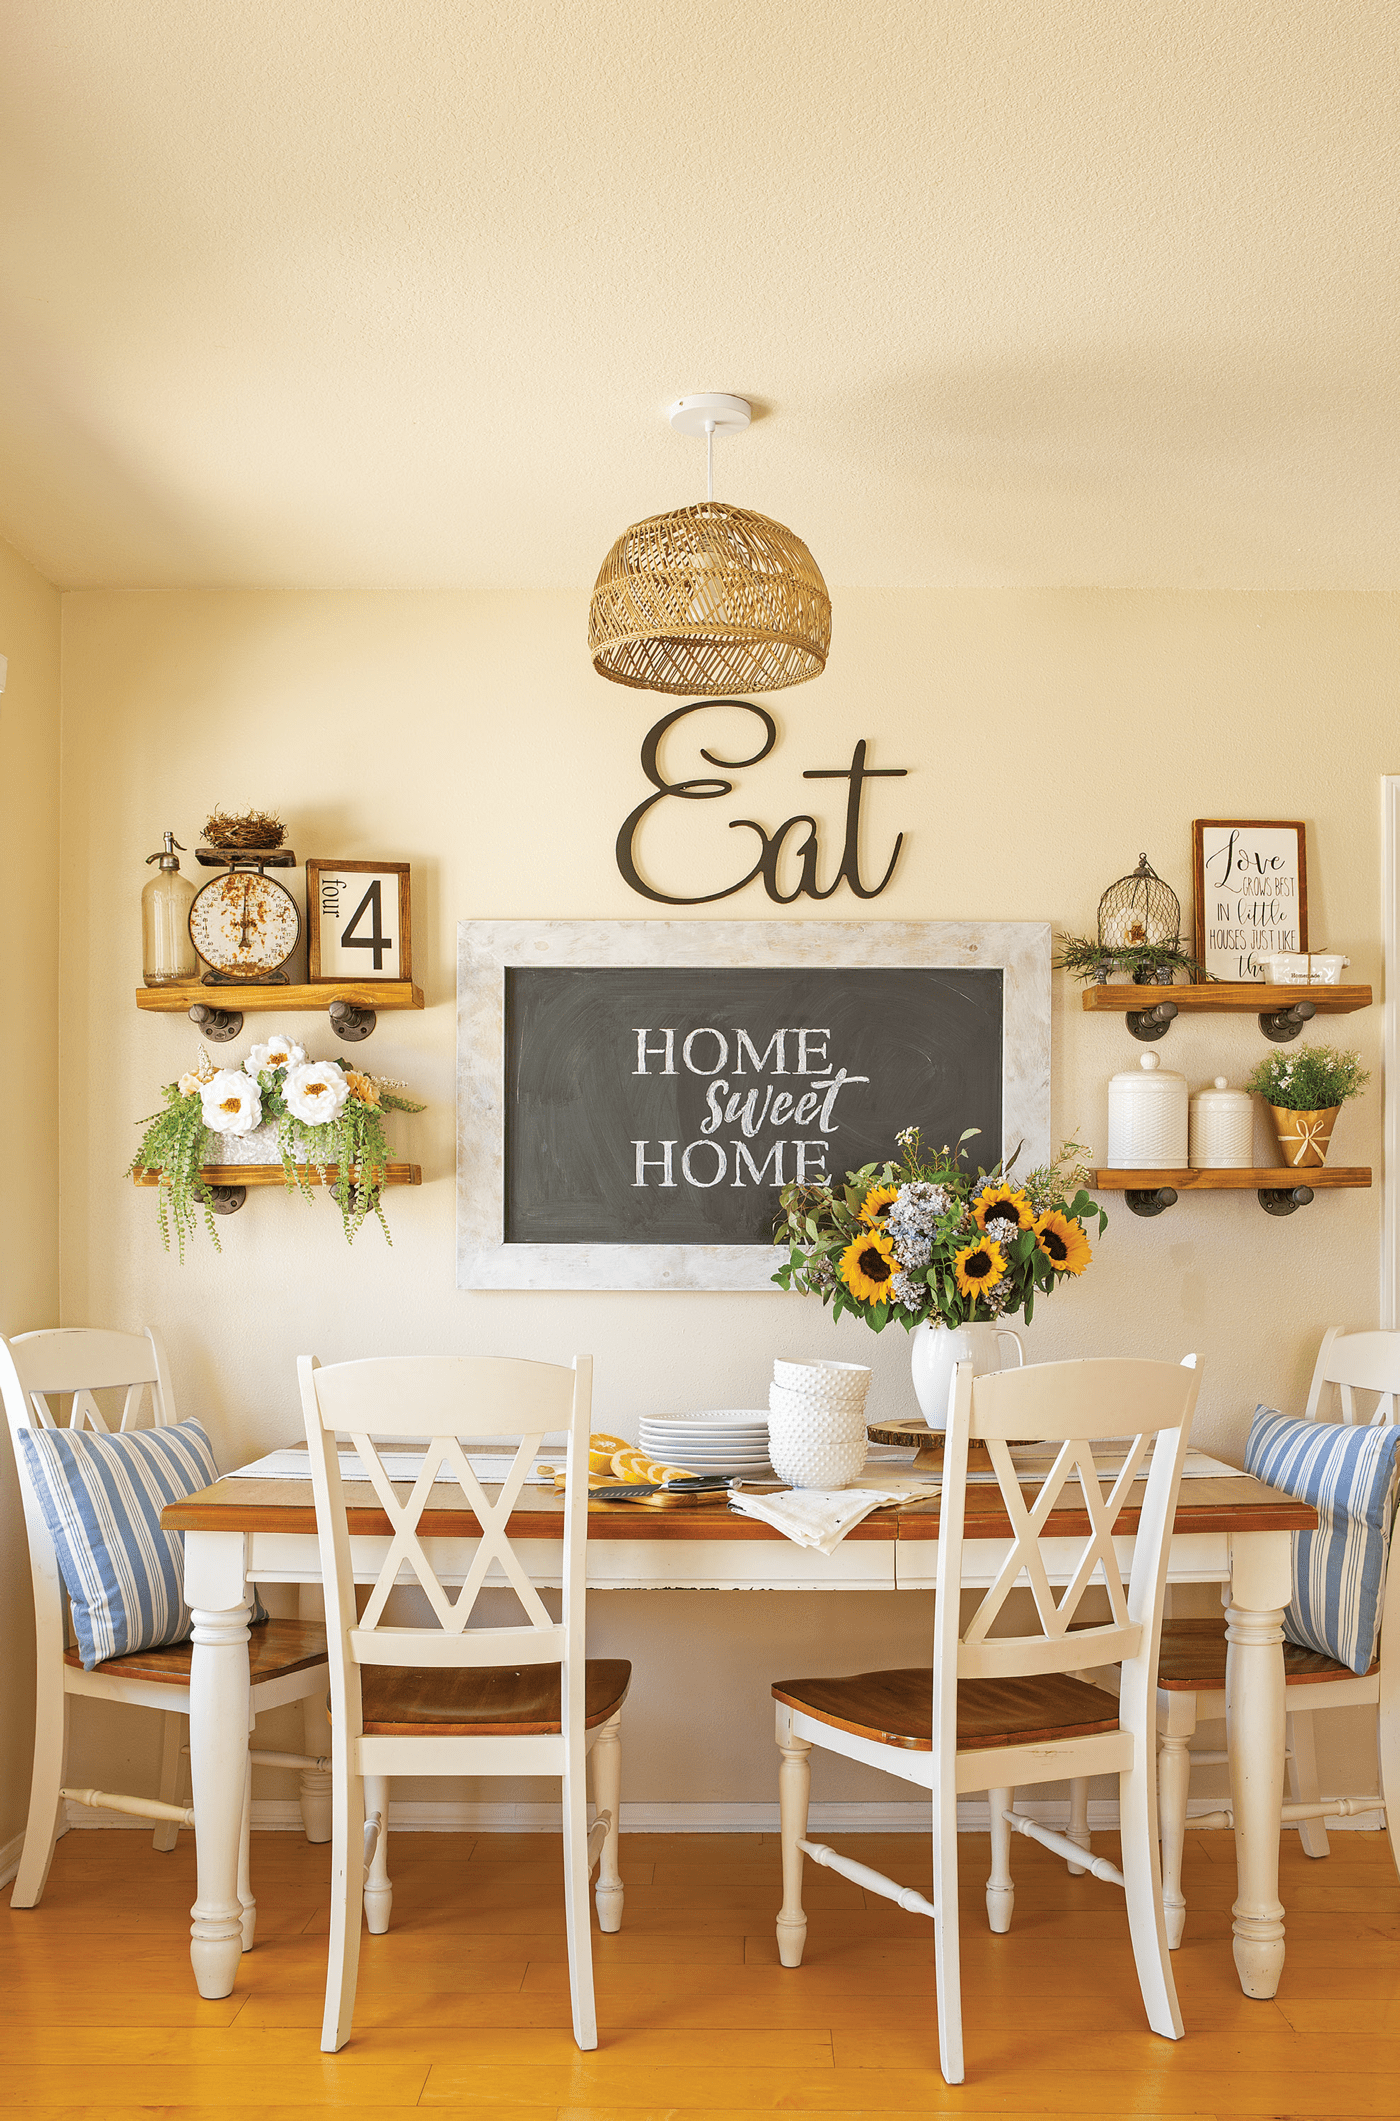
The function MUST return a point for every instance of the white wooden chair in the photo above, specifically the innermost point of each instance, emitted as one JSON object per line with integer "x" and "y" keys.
{"x": 287, "y": 1657}
{"x": 449, "y": 1699}
{"x": 1192, "y": 1677}
{"x": 1001, "y": 1710}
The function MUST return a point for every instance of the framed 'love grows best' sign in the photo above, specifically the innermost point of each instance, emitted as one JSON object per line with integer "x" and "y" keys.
{"x": 1251, "y": 891}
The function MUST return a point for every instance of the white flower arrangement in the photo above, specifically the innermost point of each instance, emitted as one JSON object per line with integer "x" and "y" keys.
{"x": 328, "y": 1117}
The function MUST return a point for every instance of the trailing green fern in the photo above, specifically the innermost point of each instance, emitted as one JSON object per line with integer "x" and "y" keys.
{"x": 176, "y": 1144}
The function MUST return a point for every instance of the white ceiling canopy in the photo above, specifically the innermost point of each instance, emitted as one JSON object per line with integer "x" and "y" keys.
{"x": 1080, "y": 292}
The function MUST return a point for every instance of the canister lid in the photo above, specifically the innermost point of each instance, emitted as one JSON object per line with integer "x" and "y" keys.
{"x": 1222, "y": 1098}
{"x": 1149, "y": 1075}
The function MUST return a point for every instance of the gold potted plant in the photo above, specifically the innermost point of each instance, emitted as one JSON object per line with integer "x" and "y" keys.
{"x": 1305, "y": 1088}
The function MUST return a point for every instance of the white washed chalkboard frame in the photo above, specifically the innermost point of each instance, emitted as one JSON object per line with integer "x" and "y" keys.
{"x": 1020, "y": 950}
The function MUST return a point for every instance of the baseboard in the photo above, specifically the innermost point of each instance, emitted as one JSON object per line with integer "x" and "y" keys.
{"x": 9, "y": 1857}
{"x": 280, "y": 1815}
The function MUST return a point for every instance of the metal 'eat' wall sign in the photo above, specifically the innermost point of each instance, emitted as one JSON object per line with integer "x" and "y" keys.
{"x": 772, "y": 846}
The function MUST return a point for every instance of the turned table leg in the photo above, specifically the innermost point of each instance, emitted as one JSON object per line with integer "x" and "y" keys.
{"x": 606, "y": 1759}
{"x": 794, "y": 1790}
{"x": 219, "y": 1688}
{"x": 1260, "y": 1582}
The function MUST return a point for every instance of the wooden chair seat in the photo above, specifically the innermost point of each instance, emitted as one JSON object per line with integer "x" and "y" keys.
{"x": 1193, "y": 1659}
{"x": 274, "y": 1647}
{"x": 896, "y": 1708}
{"x": 489, "y": 1702}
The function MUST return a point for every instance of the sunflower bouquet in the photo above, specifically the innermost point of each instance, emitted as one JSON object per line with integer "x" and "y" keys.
{"x": 926, "y": 1239}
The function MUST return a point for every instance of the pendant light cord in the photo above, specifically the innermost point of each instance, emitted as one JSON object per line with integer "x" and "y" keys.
{"x": 709, "y": 460}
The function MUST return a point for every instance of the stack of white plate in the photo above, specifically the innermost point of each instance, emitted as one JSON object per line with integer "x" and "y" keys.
{"x": 712, "y": 1440}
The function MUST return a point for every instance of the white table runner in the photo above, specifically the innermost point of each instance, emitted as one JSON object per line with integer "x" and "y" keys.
{"x": 489, "y": 1467}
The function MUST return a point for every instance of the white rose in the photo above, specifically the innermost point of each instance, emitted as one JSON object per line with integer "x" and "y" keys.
{"x": 232, "y": 1104}
{"x": 276, "y": 1052}
{"x": 315, "y": 1091}
{"x": 189, "y": 1082}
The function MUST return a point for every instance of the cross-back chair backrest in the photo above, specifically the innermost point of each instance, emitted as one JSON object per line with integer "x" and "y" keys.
{"x": 48, "y": 1380}
{"x": 73, "y": 1363}
{"x": 1108, "y": 1421}
{"x": 1351, "y": 1363}
{"x": 455, "y": 1402}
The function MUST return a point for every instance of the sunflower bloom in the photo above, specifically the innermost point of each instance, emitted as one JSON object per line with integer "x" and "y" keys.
{"x": 1004, "y": 1204}
{"x": 876, "y": 1206}
{"x": 978, "y": 1266}
{"x": 868, "y": 1267}
{"x": 1063, "y": 1242}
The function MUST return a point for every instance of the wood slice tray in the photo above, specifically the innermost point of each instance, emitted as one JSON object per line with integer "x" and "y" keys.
{"x": 912, "y": 1429}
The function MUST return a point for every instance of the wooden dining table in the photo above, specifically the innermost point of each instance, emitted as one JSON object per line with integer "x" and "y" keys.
{"x": 1234, "y": 1532}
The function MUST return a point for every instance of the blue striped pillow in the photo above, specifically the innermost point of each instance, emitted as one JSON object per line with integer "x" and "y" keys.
{"x": 1348, "y": 1473}
{"x": 101, "y": 1498}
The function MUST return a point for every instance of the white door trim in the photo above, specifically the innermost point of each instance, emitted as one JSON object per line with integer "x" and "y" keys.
{"x": 1390, "y": 1052}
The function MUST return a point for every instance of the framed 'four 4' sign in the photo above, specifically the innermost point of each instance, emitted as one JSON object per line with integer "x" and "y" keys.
{"x": 359, "y": 921}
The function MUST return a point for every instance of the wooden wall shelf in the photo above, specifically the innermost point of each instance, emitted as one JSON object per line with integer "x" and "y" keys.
{"x": 1282, "y": 1011}
{"x": 219, "y": 1011}
{"x": 228, "y": 1183}
{"x": 1281, "y": 1190}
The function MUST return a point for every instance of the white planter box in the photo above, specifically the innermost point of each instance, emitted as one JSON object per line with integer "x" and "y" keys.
{"x": 259, "y": 1147}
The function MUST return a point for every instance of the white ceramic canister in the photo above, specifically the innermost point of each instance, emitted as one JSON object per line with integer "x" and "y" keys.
{"x": 1147, "y": 1118}
{"x": 1222, "y": 1129}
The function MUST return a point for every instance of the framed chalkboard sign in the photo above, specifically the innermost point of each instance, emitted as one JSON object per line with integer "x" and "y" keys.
{"x": 633, "y": 1095}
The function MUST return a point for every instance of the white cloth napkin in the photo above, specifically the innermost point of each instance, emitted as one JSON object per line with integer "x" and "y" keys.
{"x": 815, "y": 1517}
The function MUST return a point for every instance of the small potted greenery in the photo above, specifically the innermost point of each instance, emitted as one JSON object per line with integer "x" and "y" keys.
{"x": 1146, "y": 964}
{"x": 1305, "y": 1088}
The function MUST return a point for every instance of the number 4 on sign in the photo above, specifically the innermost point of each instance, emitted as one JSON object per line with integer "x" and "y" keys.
{"x": 376, "y": 940}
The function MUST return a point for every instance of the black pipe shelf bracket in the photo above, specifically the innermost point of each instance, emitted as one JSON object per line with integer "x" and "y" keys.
{"x": 226, "y": 1200}
{"x": 1153, "y": 1201}
{"x": 1285, "y": 1201}
{"x": 1284, "y": 1025}
{"x": 351, "y": 1023}
{"x": 1152, "y": 1023}
{"x": 218, "y": 1025}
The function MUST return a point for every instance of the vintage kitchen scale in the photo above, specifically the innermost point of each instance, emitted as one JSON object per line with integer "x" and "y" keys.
{"x": 244, "y": 924}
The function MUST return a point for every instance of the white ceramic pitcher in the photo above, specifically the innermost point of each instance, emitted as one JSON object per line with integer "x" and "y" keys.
{"x": 937, "y": 1351}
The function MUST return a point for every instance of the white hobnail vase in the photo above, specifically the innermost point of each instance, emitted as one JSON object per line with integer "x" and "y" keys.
{"x": 938, "y": 1349}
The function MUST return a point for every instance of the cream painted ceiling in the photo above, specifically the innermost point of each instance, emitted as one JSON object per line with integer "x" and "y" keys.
{"x": 396, "y": 291}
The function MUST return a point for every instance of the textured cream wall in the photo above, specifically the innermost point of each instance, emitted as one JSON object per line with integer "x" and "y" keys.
{"x": 1051, "y": 735}
{"x": 29, "y": 868}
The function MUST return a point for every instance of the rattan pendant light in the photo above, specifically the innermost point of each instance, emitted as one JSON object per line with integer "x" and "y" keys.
{"x": 710, "y": 600}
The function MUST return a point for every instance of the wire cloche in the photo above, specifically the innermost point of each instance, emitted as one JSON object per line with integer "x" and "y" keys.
{"x": 1139, "y": 911}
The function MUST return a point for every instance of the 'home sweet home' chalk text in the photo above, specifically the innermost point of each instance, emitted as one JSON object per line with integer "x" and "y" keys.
{"x": 749, "y": 1106}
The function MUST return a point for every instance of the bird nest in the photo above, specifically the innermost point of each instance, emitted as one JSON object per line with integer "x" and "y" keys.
{"x": 250, "y": 831}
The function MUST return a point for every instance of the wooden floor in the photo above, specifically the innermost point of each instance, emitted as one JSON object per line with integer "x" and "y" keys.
{"x": 464, "y": 2008}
